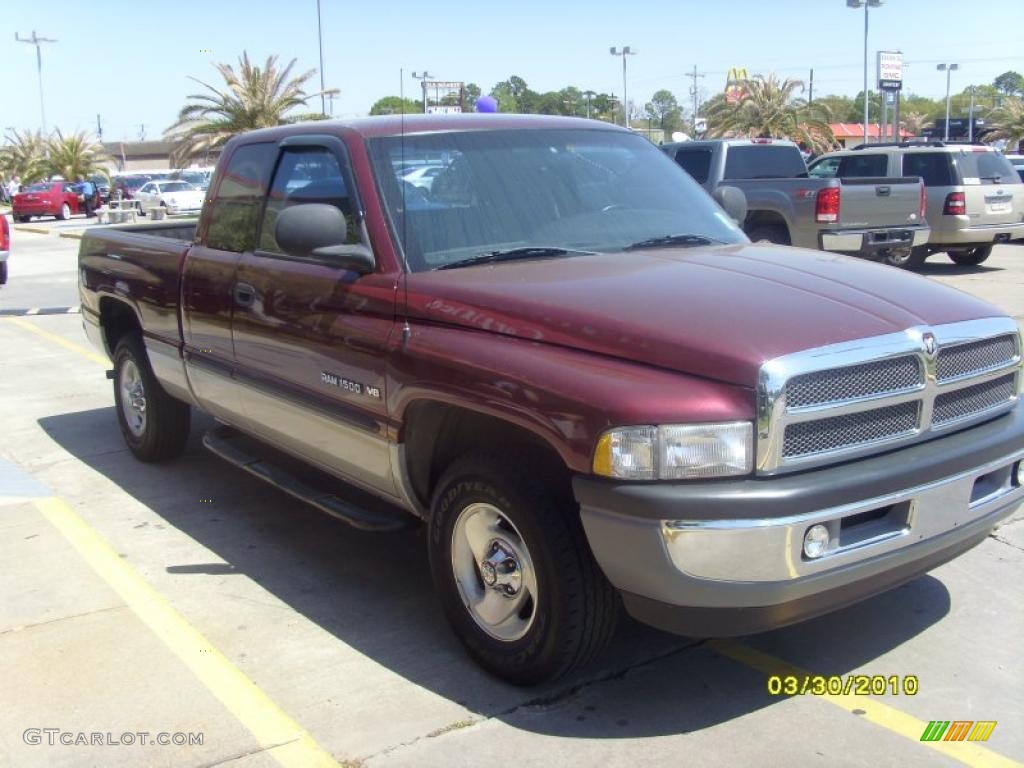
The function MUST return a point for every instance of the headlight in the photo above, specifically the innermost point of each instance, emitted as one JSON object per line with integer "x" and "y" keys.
{"x": 676, "y": 451}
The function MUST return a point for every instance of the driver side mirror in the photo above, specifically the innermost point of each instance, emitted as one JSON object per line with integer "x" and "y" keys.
{"x": 318, "y": 229}
{"x": 733, "y": 201}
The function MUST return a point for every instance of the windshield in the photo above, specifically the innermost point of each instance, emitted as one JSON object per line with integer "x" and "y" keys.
{"x": 571, "y": 189}
{"x": 176, "y": 186}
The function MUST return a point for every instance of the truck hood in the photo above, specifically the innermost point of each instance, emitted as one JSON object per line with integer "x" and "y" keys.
{"x": 717, "y": 312}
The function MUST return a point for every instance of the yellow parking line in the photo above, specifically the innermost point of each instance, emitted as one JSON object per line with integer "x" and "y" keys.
{"x": 283, "y": 738}
{"x": 872, "y": 709}
{"x": 84, "y": 351}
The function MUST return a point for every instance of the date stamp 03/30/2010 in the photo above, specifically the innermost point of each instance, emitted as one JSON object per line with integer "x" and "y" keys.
{"x": 842, "y": 685}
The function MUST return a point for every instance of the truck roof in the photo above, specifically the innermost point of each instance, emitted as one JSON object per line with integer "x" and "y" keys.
{"x": 392, "y": 125}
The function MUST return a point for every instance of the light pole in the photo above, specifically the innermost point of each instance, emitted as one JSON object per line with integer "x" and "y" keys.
{"x": 320, "y": 41}
{"x": 867, "y": 4}
{"x": 422, "y": 76}
{"x": 947, "y": 68}
{"x": 589, "y": 95}
{"x": 624, "y": 52}
{"x": 36, "y": 40}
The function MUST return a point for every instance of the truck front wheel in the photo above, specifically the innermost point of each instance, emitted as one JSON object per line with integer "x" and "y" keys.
{"x": 514, "y": 573}
{"x": 155, "y": 425}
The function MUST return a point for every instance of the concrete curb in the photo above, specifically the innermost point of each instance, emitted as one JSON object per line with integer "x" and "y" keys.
{"x": 36, "y": 230}
{"x": 72, "y": 235}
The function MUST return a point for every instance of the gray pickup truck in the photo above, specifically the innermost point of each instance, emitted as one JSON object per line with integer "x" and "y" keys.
{"x": 877, "y": 218}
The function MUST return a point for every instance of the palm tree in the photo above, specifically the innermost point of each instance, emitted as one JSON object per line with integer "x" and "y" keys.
{"x": 1007, "y": 122}
{"x": 254, "y": 98}
{"x": 24, "y": 155}
{"x": 73, "y": 156}
{"x": 914, "y": 122}
{"x": 768, "y": 108}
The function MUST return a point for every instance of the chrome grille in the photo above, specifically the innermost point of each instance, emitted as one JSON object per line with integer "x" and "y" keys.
{"x": 855, "y": 382}
{"x": 858, "y": 397}
{"x": 962, "y": 403}
{"x": 975, "y": 357}
{"x": 853, "y": 429}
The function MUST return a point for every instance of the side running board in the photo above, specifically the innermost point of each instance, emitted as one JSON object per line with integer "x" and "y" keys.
{"x": 245, "y": 452}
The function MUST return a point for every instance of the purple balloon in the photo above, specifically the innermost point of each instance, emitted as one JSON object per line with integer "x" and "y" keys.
{"x": 487, "y": 104}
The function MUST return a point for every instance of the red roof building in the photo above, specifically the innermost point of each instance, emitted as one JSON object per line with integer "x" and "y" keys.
{"x": 852, "y": 134}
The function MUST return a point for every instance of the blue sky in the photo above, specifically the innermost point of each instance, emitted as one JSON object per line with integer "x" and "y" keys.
{"x": 129, "y": 62}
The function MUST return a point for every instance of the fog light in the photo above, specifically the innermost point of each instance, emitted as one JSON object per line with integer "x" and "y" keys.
{"x": 816, "y": 541}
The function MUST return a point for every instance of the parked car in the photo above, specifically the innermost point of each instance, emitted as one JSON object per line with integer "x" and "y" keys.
{"x": 5, "y": 247}
{"x": 102, "y": 185}
{"x": 879, "y": 218}
{"x": 975, "y": 197}
{"x": 198, "y": 179}
{"x": 175, "y": 196}
{"x": 1017, "y": 161}
{"x": 47, "y": 198}
{"x": 574, "y": 368}
{"x": 126, "y": 185}
{"x": 423, "y": 177}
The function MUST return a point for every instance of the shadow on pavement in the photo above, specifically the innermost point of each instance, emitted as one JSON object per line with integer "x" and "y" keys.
{"x": 939, "y": 266}
{"x": 373, "y": 592}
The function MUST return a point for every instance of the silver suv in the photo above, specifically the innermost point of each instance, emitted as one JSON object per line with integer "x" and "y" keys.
{"x": 975, "y": 198}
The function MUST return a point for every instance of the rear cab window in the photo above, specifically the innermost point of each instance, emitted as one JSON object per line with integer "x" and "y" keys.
{"x": 235, "y": 210}
{"x": 764, "y": 161}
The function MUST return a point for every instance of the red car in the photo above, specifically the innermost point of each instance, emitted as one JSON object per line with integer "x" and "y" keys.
{"x": 47, "y": 198}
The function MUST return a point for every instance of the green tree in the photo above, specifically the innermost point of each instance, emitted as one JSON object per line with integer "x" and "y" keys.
{"x": 1010, "y": 83}
{"x": 838, "y": 106}
{"x": 914, "y": 122}
{"x": 73, "y": 156}
{"x": 24, "y": 155}
{"x": 252, "y": 97}
{"x": 769, "y": 108}
{"x": 664, "y": 108}
{"x": 396, "y": 105}
{"x": 856, "y": 112}
{"x": 470, "y": 93}
{"x": 1007, "y": 122}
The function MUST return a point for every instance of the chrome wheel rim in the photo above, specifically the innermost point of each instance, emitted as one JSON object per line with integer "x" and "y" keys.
{"x": 133, "y": 398}
{"x": 494, "y": 572}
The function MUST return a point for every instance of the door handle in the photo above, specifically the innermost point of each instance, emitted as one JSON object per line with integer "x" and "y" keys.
{"x": 883, "y": 191}
{"x": 244, "y": 294}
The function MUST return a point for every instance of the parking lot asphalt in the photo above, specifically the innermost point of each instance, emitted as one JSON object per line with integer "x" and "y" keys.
{"x": 188, "y": 598}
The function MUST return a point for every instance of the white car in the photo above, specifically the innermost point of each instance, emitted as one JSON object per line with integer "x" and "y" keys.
{"x": 175, "y": 196}
{"x": 423, "y": 177}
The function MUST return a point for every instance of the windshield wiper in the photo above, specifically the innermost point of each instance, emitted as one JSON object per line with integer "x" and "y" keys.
{"x": 667, "y": 240}
{"x": 512, "y": 254}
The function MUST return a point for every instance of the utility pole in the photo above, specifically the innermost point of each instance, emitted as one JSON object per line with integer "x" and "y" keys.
{"x": 99, "y": 128}
{"x": 142, "y": 132}
{"x": 810, "y": 96}
{"x": 695, "y": 92}
{"x": 970, "y": 119}
{"x": 320, "y": 41}
{"x": 36, "y": 40}
{"x": 422, "y": 76}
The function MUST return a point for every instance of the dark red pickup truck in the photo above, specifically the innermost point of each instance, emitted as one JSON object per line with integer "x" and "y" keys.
{"x": 561, "y": 354}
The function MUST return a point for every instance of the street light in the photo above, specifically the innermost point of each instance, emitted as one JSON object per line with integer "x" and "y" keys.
{"x": 867, "y": 4}
{"x": 423, "y": 77}
{"x": 624, "y": 52}
{"x": 589, "y": 95}
{"x": 947, "y": 68}
{"x": 320, "y": 44}
{"x": 36, "y": 40}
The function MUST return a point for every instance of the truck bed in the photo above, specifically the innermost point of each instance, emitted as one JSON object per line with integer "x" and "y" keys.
{"x": 140, "y": 264}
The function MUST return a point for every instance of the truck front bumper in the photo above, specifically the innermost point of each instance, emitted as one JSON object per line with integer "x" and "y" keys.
{"x": 726, "y": 557}
{"x": 873, "y": 243}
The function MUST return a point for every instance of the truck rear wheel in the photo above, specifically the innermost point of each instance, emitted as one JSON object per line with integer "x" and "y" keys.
{"x": 3, "y": 272}
{"x": 914, "y": 257}
{"x": 514, "y": 573}
{"x": 769, "y": 233}
{"x": 971, "y": 256}
{"x": 155, "y": 425}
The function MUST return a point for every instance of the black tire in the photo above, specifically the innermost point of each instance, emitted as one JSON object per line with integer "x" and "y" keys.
{"x": 24, "y": 219}
{"x": 915, "y": 257}
{"x": 771, "y": 233}
{"x": 576, "y": 610}
{"x": 970, "y": 257}
{"x": 165, "y": 426}
{"x": 3, "y": 273}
